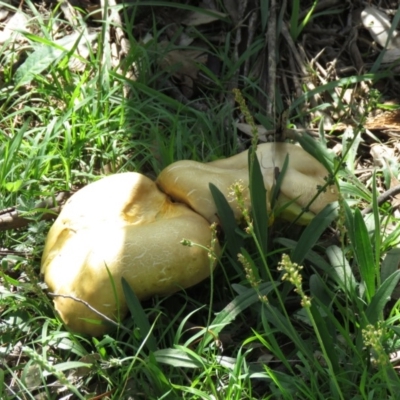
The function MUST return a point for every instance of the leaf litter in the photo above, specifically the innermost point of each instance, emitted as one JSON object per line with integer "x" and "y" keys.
{"x": 340, "y": 40}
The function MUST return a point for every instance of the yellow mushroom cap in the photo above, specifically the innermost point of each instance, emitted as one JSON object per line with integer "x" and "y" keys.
{"x": 188, "y": 181}
{"x": 122, "y": 223}
{"x": 124, "y": 226}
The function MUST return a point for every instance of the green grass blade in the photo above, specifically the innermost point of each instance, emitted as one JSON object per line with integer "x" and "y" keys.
{"x": 331, "y": 86}
{"x": 8, "y": 154}
{"x": 279, "y": 180}
{"x": 294, "y": 20}
{"x": 228, "y": 222}
{"x": 178, "y": 358}
{"x": 377, "y": 230}
{"x": 264, "y": 9}
{"x": 364, "y": 254}
{"x": 139, "y": 316}
{"x": 390, "y": 263}
{"x": 326, "y": 338}
{"x": 322, "y": 323}
{"x": 341, "y": 272}
{"x": 374, "y": 310}
{"x": 306, "y": 19}
{"x": 285, "y": 326}
{"x": 349, "y": 221}
{"x": 237, "y": 306}
{"x": 317, "y": 150}
{"x": 313, "y": 232}
{"x": 258, "y": 196}
{"x": 350, "y": 143}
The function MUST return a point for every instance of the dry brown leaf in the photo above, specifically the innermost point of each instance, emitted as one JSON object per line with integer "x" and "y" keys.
{"x": 248, "y": 130}
{"x": 384, "y": 156}
{"x": 184, "y": 65}
{"x": 387, "y": 120}
{"x": 232, "y": 6}
{"x": 196, "y": 18}
{"x": 391, "y": 56}
{"x": 3, "y": 10}
{"x": 381, "y": 154}
{"x": 396, "y": 198}
{"x": 18, "y": 22}
{"x": 379, "y": 25}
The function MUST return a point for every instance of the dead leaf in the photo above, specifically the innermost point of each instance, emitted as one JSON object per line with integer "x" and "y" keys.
{"x": 18, "y": 22}
{"x": 394, "y": 182}
{"x": 81, "y": 372}
{"x": 381, "y": 154}
{"x": 83, "y": 50}
{"x": 248, "y": 130}
{"x": 389, "y": 120}
{"x": 391, "y": 56}
{"x": 3, "y": 10}
{"x": 196, "y": 18}
{"x": 384, "y": 156}
{"x": 378, "y": 25}
{"x": 32, "y": 377}
{"x": 184, "y": 65}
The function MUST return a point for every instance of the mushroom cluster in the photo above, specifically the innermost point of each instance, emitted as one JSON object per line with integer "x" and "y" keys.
{"x": 126, "y": 225}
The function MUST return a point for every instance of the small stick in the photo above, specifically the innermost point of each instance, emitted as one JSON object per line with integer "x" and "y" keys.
{"x": 271, "y": 40}
{"x": 252, "y": 29}
{"x": 10, "y": 218}
{"x": 85, "y": 303}
{"x": 321, "y": 5}
{"x": 382, "y": 198}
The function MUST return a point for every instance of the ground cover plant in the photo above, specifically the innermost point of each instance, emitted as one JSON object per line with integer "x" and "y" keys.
{"x": 90, "y": 89}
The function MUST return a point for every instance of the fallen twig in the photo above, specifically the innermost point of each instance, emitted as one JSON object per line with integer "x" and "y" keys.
{"x": 11, "y": 218}
{"x": 85, "y": 303}
{"x": 382, "y": 198}
{"x": 271, "y": 40}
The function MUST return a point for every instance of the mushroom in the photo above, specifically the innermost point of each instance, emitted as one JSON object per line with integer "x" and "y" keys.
{"x": 121, "y": 226}
{"x": 188, "y": 181}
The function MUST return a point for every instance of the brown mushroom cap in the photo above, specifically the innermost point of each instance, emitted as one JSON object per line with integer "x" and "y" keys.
{"x": 122, "y": 223}
{"x": 188, "y": 181}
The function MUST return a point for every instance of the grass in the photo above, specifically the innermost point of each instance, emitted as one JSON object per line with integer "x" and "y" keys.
{"x": 298, "y": 314}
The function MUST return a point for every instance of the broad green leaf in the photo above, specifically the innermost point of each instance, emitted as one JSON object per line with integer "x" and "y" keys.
{"x": 46, "y": 54}
{"x": 355, "y": 189}
{"x": 279, "y": 180}
{"x": 326, "y": 337}
{"x": 294, "y": 20}
{"x": 252, "y": 264}
{"x": 349, "y": 222}
{"x": 331, "y": 86}
{"x": 342, "y": 272}
{"x": 285, "y": 326}
{"x": 350, "y": 144}
{"x": 237, "y": 306}
{"x": 178, "y": 358}
{"x": 8, "y": 151}
{"x": 391, "y": 32}
{"x": 390, "y": 263}
{"x": 65, "y": 366}
{"x": 382, "y": 296}
{"x": 313, "y": 232}
{"x": 318, "y": 290}
{"x": 364, "y": 254}
{"x": 228, "y": 222}
{"x": 139, "y": 316}
{"x": 258, "y": 196}
{"x": 318, "y": 151}
{"x": 2, "y": 387}
{"x": 13, "y": 186}
{"x": 376, "y": 240}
